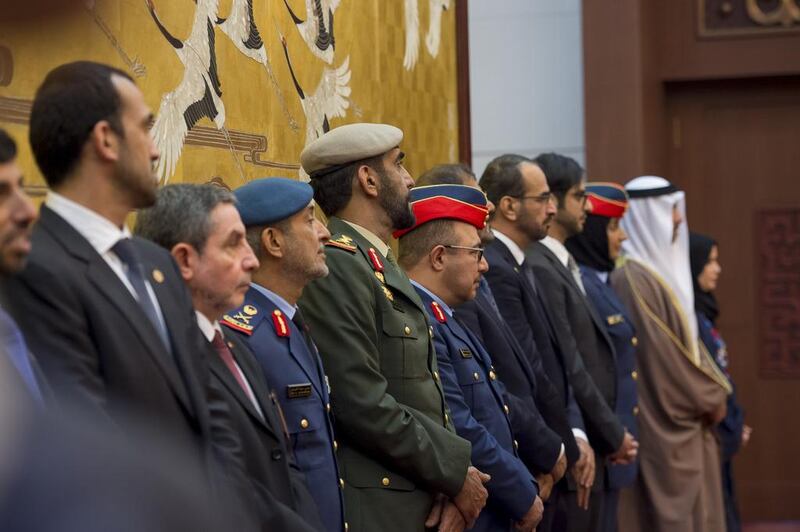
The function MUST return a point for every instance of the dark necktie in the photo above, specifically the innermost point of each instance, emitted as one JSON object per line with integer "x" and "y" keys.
{"x": 572, "y": 266}
{"x": 226, "y": 355}
{"x": 486, "y": 292}
{"x": 14, "y": 344}
{"x": 127, "y": 254}
{"x": 527, "y": 271}
{"x": 300, "y": 322}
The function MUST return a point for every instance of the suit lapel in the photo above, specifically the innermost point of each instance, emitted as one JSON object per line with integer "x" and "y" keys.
{"x": 100, "y": 274}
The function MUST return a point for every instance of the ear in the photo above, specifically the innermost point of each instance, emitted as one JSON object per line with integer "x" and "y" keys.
{"x": 187, "y": 258}
{"x": 105, "y": 141}
{"x": 507, "y": 208}
{"x": 274, "y": 242}
{"x": 367, "y": 181}
{"x": 436, "y": 258}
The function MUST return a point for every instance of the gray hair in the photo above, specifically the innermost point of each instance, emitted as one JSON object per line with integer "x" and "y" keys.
{"x": 182, "y": 214}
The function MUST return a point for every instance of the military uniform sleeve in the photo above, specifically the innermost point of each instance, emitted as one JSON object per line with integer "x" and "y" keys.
{"x": 340, "y": 309}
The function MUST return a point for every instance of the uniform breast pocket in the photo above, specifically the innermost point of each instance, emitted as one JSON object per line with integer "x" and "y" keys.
{"x": 305, "y": 421}
{"x": 472, "y": 383}
{"x": 404, "y": 352}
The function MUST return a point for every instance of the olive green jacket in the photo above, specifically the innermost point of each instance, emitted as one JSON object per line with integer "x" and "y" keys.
{"x": 397, "y": 446}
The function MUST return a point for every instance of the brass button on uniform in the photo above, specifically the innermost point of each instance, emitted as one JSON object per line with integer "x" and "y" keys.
{"x": 335, "y": 446}
{"x": 430, "y": 332}
{"x": 506, "y": 409}
{"x": 346, "y": 526}
{"x": 493, "y": 375}
{"x": 635, "y": 410}
{"x": 436, "y": 375}
{"x": 634, "y": 341}
{"x": 407, "y": 330}
{"x": 327, "y": 407}
{"x": 476, "y": 376}
{"x": 516, "y": 445}
{"x": 385, "y": 481}
{"x": 634, "y": 375}
{"x": 446, "y": 417}
{"x": 304, "y": 423}
{"x": 341, "y": 483}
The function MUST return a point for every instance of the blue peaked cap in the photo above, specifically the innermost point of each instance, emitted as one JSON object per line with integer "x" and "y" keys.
{"x": 271, "y": 199}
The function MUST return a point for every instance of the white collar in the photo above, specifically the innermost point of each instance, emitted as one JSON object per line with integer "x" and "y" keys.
{"x": 100, "y": 232}
{"x": 373, "y": 239}
{"x": 512, "y": 246}
{"x": 558, "y": 249}
{"x": 208, "y": 328}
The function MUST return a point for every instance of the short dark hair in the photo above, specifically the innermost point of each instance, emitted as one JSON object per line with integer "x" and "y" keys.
{"x": 71, "y": 100}
{"x": 182, "y": 213}
{"x": 416, "y": 244}
{"x": 503, "y": 177}
{"x": 446, "y": 174}
{"x": 562, "y": 173}
{"x": 333, "y": 191}
{"x": 8, "y": 148}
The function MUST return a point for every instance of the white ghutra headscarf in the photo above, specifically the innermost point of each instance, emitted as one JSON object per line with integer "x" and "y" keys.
{"x": 649, "y": 225}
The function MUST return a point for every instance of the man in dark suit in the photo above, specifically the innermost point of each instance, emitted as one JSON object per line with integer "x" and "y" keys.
{"x": 537, "y": 417}
{"x": 17, "y": 215}
{"x": 108, "y": 316}
{"x": 278, "y": 214}
{"x": 580, "y": 333}
{"x": 201, "y": 228}
{"x": 442, "y": 255}
{"x": 523, "y": 210}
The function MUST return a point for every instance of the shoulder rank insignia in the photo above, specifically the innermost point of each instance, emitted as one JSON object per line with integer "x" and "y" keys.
{"x": 615, "y": 319}
{"x": 438, "y": 313}
{"x": 388, "y": 293}
{"x": 279, "y": 320}
{"x": 342, "y": 242}
{"x": 377, "y": 263}
{"x": 244, "y": 319}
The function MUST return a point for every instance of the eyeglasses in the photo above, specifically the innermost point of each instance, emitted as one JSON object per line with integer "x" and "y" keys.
{"x": 476, "y": 251}
{"x": 581, "y": 196}
{"x": 541, "y": 198}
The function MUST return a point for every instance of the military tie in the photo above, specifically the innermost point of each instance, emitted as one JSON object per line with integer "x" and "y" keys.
{"x": 135, "y": 272}
{"x": 12, "y": 341}
{"x": 300, "y": 322}
{"x": 226, "y": 355}
{"x": 576, "y": 273}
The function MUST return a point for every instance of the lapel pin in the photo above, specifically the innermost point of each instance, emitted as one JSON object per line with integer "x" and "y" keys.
{"x": 158, "y": 276}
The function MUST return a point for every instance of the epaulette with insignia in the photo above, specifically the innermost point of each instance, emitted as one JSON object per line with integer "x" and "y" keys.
{"x": 342, "y": 242}
{"x": 243, "y": 319}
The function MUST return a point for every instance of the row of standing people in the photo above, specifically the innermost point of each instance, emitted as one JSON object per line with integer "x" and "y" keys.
{"x": 446, "y": 392}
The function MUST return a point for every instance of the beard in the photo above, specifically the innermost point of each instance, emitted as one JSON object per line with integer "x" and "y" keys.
{"x": 304, "y": 269}
{"x": 395, "y": 204}
{"x": 138, "y": 185}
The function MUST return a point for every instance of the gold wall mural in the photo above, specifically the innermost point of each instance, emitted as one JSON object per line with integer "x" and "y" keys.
{"x": 239, "y": 87}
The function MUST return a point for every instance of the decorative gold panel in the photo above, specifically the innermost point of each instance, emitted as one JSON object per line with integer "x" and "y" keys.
{"x": 720, "y": 18}
{"x": 367, "y": 70}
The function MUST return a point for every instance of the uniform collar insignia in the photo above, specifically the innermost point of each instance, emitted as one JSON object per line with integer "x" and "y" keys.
{"x": 438, "y": 313}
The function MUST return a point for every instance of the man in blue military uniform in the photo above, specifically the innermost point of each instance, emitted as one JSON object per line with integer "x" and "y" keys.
{"x": 595, "y": 250}
{"x": 442, "y": 256}
{"x": 288, "y": 240}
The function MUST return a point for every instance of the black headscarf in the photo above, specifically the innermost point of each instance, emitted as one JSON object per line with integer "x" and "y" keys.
{"x": 699, "y": 252}
{"x": 590, "y": 247}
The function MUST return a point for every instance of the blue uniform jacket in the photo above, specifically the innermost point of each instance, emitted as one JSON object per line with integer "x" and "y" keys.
{"x": 623, "y": 335}
{"x": 477, "y": 406}
{"x": 297, "y": 379}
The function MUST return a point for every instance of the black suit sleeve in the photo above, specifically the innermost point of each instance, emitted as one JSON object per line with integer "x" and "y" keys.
{"x": 604, "y": 429}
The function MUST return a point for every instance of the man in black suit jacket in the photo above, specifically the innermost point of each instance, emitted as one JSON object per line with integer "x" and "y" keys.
{"x": 523, "y": 210}
{"x": 538, "y": 418}
{"x": 581, "y": 336}
{"x": 202, "y": 229}
{"x": 108, "y": 316}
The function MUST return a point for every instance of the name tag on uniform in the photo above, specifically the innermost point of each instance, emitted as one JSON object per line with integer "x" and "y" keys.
{"x": 615, "y": 319}
{"x": 298, "y": 391}
{"x": 465, "y": 352}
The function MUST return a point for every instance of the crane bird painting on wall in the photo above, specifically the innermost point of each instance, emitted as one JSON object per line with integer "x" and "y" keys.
{"x": 317, "y": 28}
{"x": 433, "y": 36}
{"x": 198, "y": 95}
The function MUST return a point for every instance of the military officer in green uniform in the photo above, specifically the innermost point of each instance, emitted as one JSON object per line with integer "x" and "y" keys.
{"x": 403, "y": 466}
